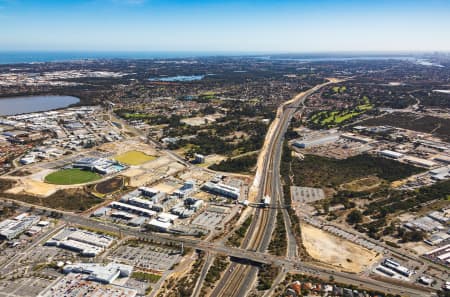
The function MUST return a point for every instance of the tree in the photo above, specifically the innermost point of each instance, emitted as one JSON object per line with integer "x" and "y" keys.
{"x": 354, "y": 217}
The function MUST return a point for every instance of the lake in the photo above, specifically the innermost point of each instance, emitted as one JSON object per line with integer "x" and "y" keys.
{"x": 19, "y": 105}
{"x": 177, "y": 78}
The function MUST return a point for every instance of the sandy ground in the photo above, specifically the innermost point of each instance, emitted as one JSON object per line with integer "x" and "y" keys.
{"x": 335, "y": 251}
{"x": 196, "y": 174}
{"x": 167, "y": 187}
{"x": 33, "y": 187}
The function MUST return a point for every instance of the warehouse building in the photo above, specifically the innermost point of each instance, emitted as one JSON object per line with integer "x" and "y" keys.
{"x": 133, "y": 209}
{"x": 391, "y": 154}
{"x": 221, "y": 189}
{"x": 186, "y": 189}
{"x": 11, "y": 228}
{"x": 86, "y": 243}
{"x": 307, "y": 143}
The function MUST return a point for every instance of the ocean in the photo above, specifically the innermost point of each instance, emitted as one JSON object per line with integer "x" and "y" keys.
{"x": 17, "y": 57}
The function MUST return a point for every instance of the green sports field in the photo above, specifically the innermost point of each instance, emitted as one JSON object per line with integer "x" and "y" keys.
{"x": 71, "y": 177}
{"x": 134, "y": 158}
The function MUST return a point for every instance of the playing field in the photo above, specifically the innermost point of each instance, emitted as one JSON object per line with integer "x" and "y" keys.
{"x": 71, "y": 177}
{"x": 134, "y": 158}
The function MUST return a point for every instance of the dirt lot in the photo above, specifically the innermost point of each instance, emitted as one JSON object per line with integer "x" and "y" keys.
{"x": 332, "y": 250}
{"x": 363, "y": 184}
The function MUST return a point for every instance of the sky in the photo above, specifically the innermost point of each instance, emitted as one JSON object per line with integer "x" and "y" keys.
{"x": 231, "y": 26}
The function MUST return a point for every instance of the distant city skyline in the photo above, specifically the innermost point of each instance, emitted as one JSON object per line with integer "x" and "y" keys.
{"x": 225, "y": 26}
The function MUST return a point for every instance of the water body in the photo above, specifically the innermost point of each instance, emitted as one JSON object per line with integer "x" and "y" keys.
{"x": 7, "y": 57}
{"x": 336, "y": 58}
{"x": 19, "y": 105}
{"x": 177, "y": 78}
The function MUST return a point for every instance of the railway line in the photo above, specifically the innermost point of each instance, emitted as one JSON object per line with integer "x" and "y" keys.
{"x": 239, "y": 278}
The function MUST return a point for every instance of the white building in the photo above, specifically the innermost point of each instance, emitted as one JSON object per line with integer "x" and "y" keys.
{"x": 100, "y": 273}
{"x": 221, "y": 189}
{"x": 10, "y": 229}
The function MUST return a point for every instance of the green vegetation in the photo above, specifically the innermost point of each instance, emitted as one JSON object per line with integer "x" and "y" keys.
{"x": 278, "y": 244}
{"x": 334, "y": 118}
{"x": 146, "y": 277}
{"x": 134, "y": 158}
{"x": 242, "y": 164}
{"x": 68, "y": 199}
{"x": 109, "y": 186}
{"x": 236, "y": 238}
{"x": 184, "y": 286}
{"x": 71, "y": 177}
{"x": 338, "y": 89}
{"x": 219, "y": 265}
{"x": 354, "y": 217}
{"x": 316, "y": 171}
{"x": 266, "y": 275}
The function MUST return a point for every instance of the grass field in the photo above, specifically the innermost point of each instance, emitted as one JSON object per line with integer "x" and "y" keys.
{"x": 134, "y": 158}
{"x": 71, "y": 177}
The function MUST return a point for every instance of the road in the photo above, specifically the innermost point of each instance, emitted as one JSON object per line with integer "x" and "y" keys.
{"x": 240, "y": 278}
{"x": 290, "y": 265}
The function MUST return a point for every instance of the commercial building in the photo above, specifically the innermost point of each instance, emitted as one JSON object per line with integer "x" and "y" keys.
{"x": 221, "y": 189}
{"x": 99, "y": 272}
{"x": 199, "y": 159}
{"x": 393, "y": 265}
{"x": 307, "y": 143}
{"x": 419, "y": 161}
{"x": 76, "y": 285}
{"x": 11, "y": 228}
{"x": 149, "y": 192}
{"x": 86, "y": 243}
{"x": 391, "y": 154}
{"x": 186, "y": 189}
{"x": 159, "y": 225}
{"x": 133, "y": 209}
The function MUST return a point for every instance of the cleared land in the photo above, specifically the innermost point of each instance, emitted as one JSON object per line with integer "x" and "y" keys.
{"x": 71, "y": 177}
{"x": 332, "y": 250}
{"x": 134, "y": 158}
{"x": 363, "y": 184}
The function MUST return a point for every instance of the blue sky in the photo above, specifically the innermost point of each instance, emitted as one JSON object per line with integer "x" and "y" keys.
{"x": 206, "y": 25}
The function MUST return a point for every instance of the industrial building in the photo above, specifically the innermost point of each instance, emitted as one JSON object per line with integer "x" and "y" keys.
{"x": 159, "y": 225}
{"x": 86, "y": 243}
{"x": 391, "y": 154}
{"x": 221, "y": 189}
{"x": 11, "y": 228}
{"x": 199, "y": 159}
{"x": 393, "y": 265}
{"x": 99, "y": 272}
{"x": 133, "y": 209}
{"x": 186, "y": 189}
{"x": 419, "y": 161}
{"x": 307, "y": 143}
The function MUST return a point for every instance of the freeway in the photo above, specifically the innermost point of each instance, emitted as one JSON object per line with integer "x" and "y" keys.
{"x": 290, "y": 265}
{"x": 240, "y": 278}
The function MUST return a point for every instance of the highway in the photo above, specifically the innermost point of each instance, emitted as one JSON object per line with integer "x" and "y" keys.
{"x": 290, "y": 265}
{"x": 240, "y": 278}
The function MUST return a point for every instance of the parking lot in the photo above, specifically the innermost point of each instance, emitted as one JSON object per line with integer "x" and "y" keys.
{"x": 147, "y": 257}
{"x": 23, "y": 287}
{"x": 209, "y": 219}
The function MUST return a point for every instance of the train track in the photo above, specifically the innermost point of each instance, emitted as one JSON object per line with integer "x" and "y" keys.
{"x": 239, "y": 278}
